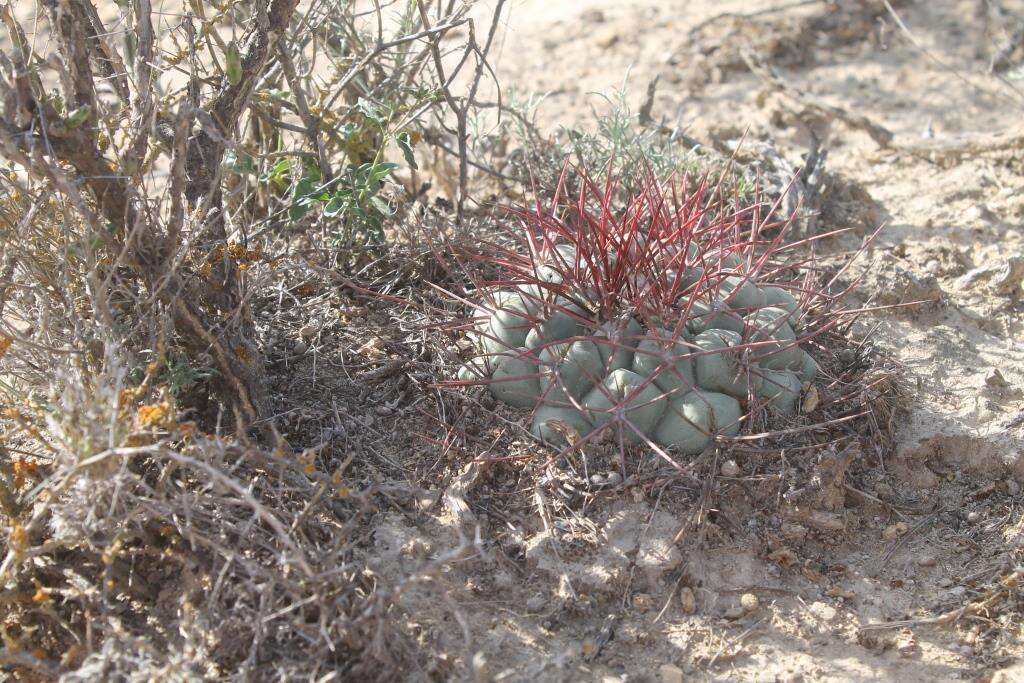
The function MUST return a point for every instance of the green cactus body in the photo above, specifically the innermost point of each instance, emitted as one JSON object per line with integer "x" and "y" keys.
{"x": 575, "y": 368}
{"x": 808, "y": 368}
{"x": 622, "y": 336}
{"x": 562, "y": 322}
{"x": 543, "y": 430}
{"x": 682, "y": 378}
{"x": 509, "y": 323}
{"x": 725, "y": 412}
{"x": 770, "y": 323}
{"x": 719, "y": 368}
{"x": 686, "y": 425}
{"x": 692, "y": 419}
{"x": 780, "y": 390}
{"x": 781, "y": 298}
{"x": 661, "y": 356}
{"x": 714, "y": 316}
{"x": 474, "y": 369}
{"x": 741, "y": 293}
{"x": 514, "y": 379}
{"x": 622, "y": 389}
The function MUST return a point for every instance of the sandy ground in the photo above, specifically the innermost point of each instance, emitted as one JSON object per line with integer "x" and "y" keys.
{"x": 948, "y": 189}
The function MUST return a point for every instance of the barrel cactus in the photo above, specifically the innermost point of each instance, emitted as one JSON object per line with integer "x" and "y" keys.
{"x": 671, "y": 318}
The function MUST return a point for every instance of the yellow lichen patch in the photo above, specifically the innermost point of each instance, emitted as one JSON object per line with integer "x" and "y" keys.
{"x": 155, "y": 415}
{"x": 305, "y": 289}
{"x": 18, "y": 538}
{"x": 243, "y": 256}
{"x": 341, "y": 489}
{"x": 24, "y": 469}
{"x": 243, "y": 355}
{"x": 129, "y": 396}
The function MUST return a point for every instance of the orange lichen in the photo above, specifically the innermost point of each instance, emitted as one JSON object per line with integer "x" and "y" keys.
{"x": 24, "y": 469}
{"x": 155, "y": 415}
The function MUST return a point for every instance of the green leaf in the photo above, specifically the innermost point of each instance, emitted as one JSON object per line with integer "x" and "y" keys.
{"x": 233, "y": 64}
{"x": 298, "y": 210}
{"x": 241, "y": 164}
{"x": 404, "y": 141}
{"x": 381, "y": 171}
{"x": 381, "y": 206}
{"x": 78, "y": 116}
{"x": 335, "y": 206}
{"x": 305, "y": 187}
{"x": 371, "y": 111}
{"x": 278, "y": 173}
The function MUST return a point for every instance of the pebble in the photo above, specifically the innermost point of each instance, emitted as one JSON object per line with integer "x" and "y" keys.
{"x": 730, "y": 469}
{"x": 643, "y": 602}
{"x": 894, "y": 531}
{"x": 822, "y": 610}
{"x": 926, "y": 560}
{"x": 1012, "y": 487}
{"x": 536, "y": 603}
{"x": 749, "y": 602}
{"x": 670, "y": 673}
{"x": 734, "y": 613}
{"x": 687, "y": 601}
{"x": 300, "y": 347}
{"x": 613, "y": 479}
{"x": 973, "y": 516}
{"x": 308, "y": 331}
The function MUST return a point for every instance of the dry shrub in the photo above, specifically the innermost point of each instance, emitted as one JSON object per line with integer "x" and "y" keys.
{"x": 155, "y": 525}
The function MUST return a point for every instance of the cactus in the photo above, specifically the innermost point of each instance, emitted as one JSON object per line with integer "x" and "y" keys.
{"x": 661, "y": 319}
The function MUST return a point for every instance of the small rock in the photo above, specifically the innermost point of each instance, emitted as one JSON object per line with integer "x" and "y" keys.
{"x": 1012, "y": 487}
{"x": 926, "y": 560}
{"x": 308, "y": 331}
{"x": 749, "y": 602}
{"x": 300, "y": 347}
{"x": 955, "y": 594}
{"x": 613, "y": 479}
{"x": 687, "y": 601}
{"x": 822, "y": 610}
{"x": 793, "y": 532}
{"x": 597, "y": 479}
{"x": 979, "y": 212}
{"x": 730, "y": 469}
{"x": 479, "y": 664}
{"x": 995, "y": 379}
{"x": 734, "y": 613}
{"x": 906, "y": 643}
{"x": 894, "y": 531}
{"x": 670, "y": 673}
{"x": 606, "y": 38}
{"x": 973, "y": 516}
{"x": 536, "y": 603}
{"x": 643, "y": 602}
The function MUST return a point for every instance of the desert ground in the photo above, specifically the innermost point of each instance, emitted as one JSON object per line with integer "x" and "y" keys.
{"x": 946, "y": 191}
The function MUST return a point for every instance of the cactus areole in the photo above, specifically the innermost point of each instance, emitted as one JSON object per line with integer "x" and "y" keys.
{"x": 670, "y": 316}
